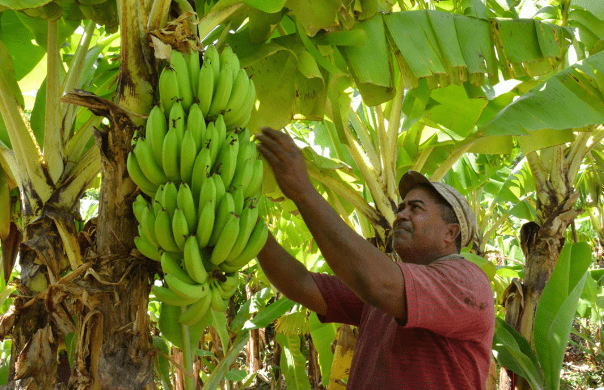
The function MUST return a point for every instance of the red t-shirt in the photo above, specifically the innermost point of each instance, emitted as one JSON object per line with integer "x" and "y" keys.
{"x": 446, "y": 342}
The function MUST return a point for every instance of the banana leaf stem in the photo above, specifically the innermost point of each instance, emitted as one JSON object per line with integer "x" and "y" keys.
{"x": 187, "y": 356}
{"x": 54, "y": 148}
{"x": 394, "y": 124}
{"x": 365, "y": 141}
{"x": 456, "y": 154}
{"x": 27, "y": 152}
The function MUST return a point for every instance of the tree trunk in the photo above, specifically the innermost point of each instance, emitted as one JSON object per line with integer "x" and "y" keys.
{"x": 119, "y": 291}
{"x": 541, "y": 242}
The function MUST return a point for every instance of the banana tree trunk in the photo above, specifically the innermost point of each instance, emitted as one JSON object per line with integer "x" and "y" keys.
{"x": 114, "y": 341}
{"x": 541, "y": 242}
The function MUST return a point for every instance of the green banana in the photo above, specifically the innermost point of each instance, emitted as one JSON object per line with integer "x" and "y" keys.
{"x": 225, "y": 241}
{"x": 207, "y": 192}
{"x": 180, "y": 229}
{"x": 205, "y": 90}
{"x": 201, "y": 172}
{"x": 193, "y": 65}
{"x": 228, "y": 59}
{"x": 196, "y": 311}
{"x": 245, "y": 136}
{"x": 238, "y": 118}
{"x": 256, "y": 180}
{"x": 224, "y": 293}
{"x": 149, "y": 166}
{"x": 169, "y": 198}
{"x": 170, "y": 265}
{"x": 185, "y": 202}
{"x": 168, "y": 88}
{"x": 225, "y": 209}
{"x": 221, "y": 130}
{"x": 212, "y": 141}
{"x": 238, "y": 199}
{"x": 231, "y": 282}
{"x": 157, "y": 199}
{"x": 156, "y": 129}
{"x": 227, "y": 160}
{"x": 179, "y": 64}
{"x": 218, "y": 303}
{"x": 254, "y": 245}
{"x": 186, "y": 290}
{"x": 247, "y": 221}
{"x": 205, "y": 224}
{"x": 196, "y": 124}
{"x": 138, "y": 206}
{"x": 212, "y": 58}
{"x": 187, "y": 157}
{"x": 238, "y": 92}
{"x": 243, "y": 175}
{"x": 194, "y": 261}
{"x": 138, "y": 177}
{"x": 163, "y": 232}
{"x": 147, "y": 249}
{"x": 169, "y": 297}
{"x": 220, "y": 189}
{"x": 171, "y": 156}
{"x": 148, "y": 226}
{"x": 222, "y": 92}
{"x": 176, "y": 120}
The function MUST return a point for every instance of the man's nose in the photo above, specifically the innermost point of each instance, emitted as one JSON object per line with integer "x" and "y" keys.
{"x": 403, "y": 214}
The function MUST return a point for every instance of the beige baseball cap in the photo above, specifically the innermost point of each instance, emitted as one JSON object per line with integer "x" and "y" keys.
{"x": 465, "y": 216}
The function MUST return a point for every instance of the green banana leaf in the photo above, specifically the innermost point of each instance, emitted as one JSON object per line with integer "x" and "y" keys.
{"x": 557, "y": 308}
{"x": 269, "y": 314}
{"x": 293, "y": 363}
{"x": 323, "y": 336}
{"x": 23, "y": 4}
{"x": 514, "y": 352}
{"x": 572, "y": 98}
{"x": 223, "y": 367}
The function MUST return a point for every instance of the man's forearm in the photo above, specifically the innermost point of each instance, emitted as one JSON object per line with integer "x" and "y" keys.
{"x": 290, "y": 276}
{"x": 360, "y": 265}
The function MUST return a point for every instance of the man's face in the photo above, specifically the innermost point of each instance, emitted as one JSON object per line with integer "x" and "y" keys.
{"x": 420, "y": 233}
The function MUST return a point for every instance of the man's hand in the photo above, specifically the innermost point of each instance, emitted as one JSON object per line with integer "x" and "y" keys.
{"x": 287, "y": 162}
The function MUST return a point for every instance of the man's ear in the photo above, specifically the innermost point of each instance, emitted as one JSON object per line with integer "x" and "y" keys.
{"x": 453, "y": 230}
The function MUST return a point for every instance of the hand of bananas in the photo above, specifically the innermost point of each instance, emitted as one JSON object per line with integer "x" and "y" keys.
{"x": 203, "y": 176}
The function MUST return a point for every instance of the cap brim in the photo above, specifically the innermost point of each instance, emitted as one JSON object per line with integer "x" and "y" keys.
{"x": 410, "y": 180}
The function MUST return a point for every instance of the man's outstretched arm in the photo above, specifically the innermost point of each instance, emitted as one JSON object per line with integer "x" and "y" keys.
{"x": 362, "y": 267}
{"x": 290, "y": 276}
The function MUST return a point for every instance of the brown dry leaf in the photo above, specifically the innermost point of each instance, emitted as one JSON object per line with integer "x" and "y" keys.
{"x": 10, "y": 249}
{"x": 36, "y": 354}
{"x": 178, "y": 34}
{"x": 6, "y": 322}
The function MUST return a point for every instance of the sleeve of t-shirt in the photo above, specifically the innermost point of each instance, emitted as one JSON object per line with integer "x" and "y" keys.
{"x": 452, "y": 298}
{"x": 343, "y": 306}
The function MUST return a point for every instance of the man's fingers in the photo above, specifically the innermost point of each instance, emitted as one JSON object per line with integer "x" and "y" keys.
{"x": 267, "y": 153}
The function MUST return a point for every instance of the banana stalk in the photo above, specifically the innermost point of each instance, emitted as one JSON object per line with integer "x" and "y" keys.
{"x": 54, "y": 148}
{"x": 575, "y": 162}
{"x": 352, "y": 197}
{"x": 24, "y": 142}
{"x": 158, "y": 17}
{"x": 389, "y": 154}
{"x": 540, "y": 176}
{"x": 365, "y": 141}
{"x": 78, "y": 142}
{"x": 460, "y": 149}
{"x": 11, "y": 165}
{"x": 78, "y": 179}
{"x": 557, "y": 174}
{"x": 186, "y": 355}
{"x": 374, "y": 183}
{"x": 72, "y": 79}
{"x": 492, "y": 230}
{"x": 421, "y": 160}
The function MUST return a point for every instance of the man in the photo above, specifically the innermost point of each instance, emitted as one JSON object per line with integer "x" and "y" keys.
{"x": 424, "y": 323}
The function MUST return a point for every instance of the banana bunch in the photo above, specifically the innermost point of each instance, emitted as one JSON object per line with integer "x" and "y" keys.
{"x": 220, "y": 86}
{"x": 202, "y": 175}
